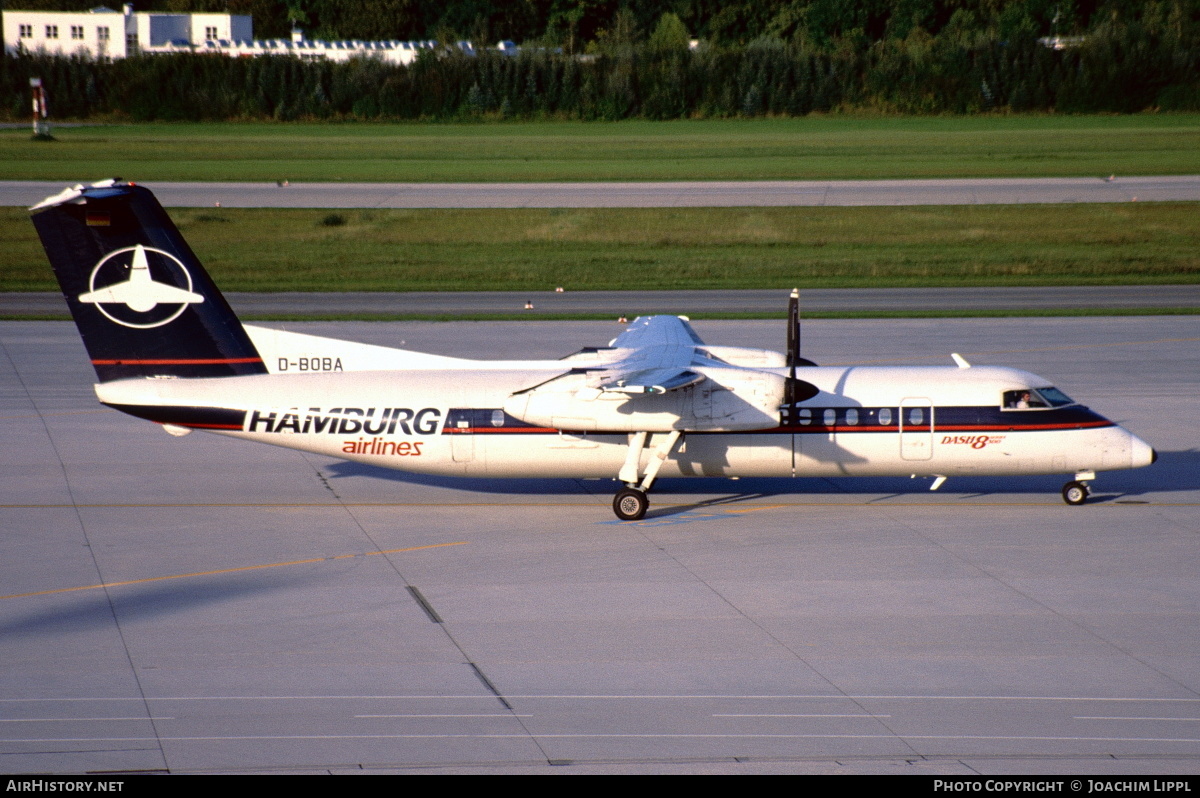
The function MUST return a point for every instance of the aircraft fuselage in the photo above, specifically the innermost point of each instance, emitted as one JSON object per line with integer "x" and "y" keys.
{"x": 866, "y": 421}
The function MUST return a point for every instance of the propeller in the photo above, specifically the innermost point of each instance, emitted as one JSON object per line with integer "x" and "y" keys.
{"x": 793, "y": 334}
{"x": 795, "y": 390}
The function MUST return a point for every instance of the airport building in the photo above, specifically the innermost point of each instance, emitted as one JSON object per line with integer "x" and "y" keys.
{"x": 105, "y": 33}
{"x": 392, "y": 51}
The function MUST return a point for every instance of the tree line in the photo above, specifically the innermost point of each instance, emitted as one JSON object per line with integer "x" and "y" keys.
{"x": 1124, "y": 62}
{"x": 576, "y": 24}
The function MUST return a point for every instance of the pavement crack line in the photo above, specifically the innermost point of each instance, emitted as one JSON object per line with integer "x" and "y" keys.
{"x": 427, "y": 608}
{"x": 112, "y": 609}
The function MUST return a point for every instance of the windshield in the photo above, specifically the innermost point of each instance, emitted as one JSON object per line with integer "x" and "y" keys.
{"x": 1036, "y": 399}
{"x": 1055, "y": 397}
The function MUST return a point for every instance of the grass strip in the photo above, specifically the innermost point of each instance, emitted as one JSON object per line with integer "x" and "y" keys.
{"x": 272, "y": 250}
{"x": 816, "y": 147}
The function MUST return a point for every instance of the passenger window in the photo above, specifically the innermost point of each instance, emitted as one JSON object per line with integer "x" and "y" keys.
{"x": 852, "y": 416}
{"x": 497, "y": 418}
{"x": 885, "y": 416}
{"x": 915, "y": 416}
{"x": 830, "y": 417}
{"x": 805, "y": 416}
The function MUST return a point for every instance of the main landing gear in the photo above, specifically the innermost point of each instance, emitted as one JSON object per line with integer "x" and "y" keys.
{"x": 631, "y": 502}
{"x": 1077, "y": 492}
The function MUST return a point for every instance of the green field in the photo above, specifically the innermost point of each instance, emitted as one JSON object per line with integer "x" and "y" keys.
{"x": 813, "y": 147}
{"x": 649, "y": 249}
{"x": 646, "y": 249}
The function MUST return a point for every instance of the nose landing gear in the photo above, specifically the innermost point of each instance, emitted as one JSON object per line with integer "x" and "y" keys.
{"x": 1077, "y": 492}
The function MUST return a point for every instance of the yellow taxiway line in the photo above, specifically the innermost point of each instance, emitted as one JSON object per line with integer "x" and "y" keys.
{"x": 228, "y": 570}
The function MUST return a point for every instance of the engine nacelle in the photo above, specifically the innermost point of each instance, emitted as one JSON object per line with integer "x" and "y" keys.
{"x": 727, "y": 400}
{"x": 746, "y": 356}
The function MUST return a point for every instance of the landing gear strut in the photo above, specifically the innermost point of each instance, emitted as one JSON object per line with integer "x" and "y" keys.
{"x": 631, "y": 502}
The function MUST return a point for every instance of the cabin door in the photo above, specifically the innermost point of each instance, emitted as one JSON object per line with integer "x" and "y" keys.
{"x": 462, "y": 443}
{"x": 916, "y": 429}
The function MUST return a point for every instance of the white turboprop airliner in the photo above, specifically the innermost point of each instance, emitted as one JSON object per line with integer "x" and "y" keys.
{"x": 656, "y": 401}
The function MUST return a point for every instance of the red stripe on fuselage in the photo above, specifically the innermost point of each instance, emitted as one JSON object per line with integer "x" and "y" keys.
{"x": 1016, "y": 427}
{"x": 814, "y": 429}
{"x": 493, "y": 430}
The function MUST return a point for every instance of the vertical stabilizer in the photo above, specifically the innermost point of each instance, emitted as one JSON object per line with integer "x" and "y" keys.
{"x": 143, "y": 303}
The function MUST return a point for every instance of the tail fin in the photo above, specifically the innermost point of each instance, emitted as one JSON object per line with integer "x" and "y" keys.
{"x": 140, "y": 298}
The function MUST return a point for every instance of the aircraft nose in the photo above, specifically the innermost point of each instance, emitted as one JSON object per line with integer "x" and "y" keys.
{"x": 1140, "y": 453}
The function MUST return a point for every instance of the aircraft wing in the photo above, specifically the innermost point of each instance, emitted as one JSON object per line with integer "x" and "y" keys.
{"x": 637, "y": 385}
{"x": 656, "y": 331}
{"x": 654, "y": 356}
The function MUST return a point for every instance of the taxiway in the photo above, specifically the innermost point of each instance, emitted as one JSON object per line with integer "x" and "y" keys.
{"x": 692, "y": 194}
{"x": 207, "y": 605}
{"x": 385, "y": 304}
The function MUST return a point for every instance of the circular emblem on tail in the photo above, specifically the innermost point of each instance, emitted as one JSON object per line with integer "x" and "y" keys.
{"x": 141, "y": 287}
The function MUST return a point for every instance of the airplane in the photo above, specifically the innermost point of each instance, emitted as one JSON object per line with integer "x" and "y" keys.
{"x": 656, "y": 401}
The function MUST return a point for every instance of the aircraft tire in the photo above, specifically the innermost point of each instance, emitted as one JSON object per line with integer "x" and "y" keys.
{"x": 630, "y": 504}
{"x": 1075, "y": 493}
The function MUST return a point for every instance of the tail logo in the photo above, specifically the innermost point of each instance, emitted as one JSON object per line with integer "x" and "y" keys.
{"x": 131, "y": 297}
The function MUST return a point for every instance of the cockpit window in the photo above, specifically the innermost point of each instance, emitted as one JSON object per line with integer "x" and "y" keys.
{"x": 1035, "y": 399}
{"x": 1055, "y": 397}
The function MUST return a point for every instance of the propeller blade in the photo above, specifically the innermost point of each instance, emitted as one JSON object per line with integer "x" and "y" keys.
{"x": 793, "y": 337}
{"x": 793, "y": 332}
{"x": 793, "y": 351}
{"x": 795, "y": 390}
